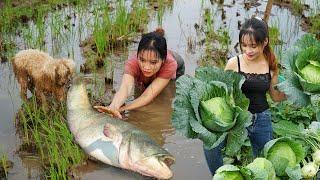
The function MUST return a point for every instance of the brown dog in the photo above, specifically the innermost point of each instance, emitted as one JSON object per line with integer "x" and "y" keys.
{"x": 47, "y": 75}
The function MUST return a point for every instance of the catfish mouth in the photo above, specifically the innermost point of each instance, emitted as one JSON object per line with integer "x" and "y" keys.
{"x": 156, "y": 166}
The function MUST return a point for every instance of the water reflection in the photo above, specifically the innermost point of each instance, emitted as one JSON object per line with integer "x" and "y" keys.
{"x": 155, "y": 118}
{"x": 32, "y": 165}
{"x": 97, "y": 170}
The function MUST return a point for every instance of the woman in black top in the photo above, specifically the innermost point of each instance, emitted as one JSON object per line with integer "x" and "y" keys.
{"x": 259, "y": 66}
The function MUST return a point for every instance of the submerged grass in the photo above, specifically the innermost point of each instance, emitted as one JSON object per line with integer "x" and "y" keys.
{"x": 115, "y": 26}
{"x": 17, "y": 14}
{"x": 5, "y": 165}
{"x": 34, "y": 36}
{"x": 313, "y": 21}
{"x": 297, "y": 6}
{"x": 14, "y": 12}
{"x": 161, "y": 9}
{"x": 216, "y": 42}
{"x": 275, "y": 41}
{"x": 48, "y": 133}
{"x": 274, "y": 36}
{"x": 315, "y": 25}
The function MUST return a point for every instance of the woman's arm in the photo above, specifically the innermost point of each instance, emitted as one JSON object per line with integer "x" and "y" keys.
{"x": 275, "y": 94}
{"x": 119, "y": 98}
{"x": 232, "y": 64}
{"x": 124, "y": 91}
{"x": 148, "y": 95}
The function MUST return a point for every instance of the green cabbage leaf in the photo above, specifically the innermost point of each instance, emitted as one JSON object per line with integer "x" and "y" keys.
{"x": 231, "y": 172}
{"x": 302, "y": 71}
{"x": 285, "y": 154}
{"x": 211, "y": 107}
{"x": 262, "y": 169}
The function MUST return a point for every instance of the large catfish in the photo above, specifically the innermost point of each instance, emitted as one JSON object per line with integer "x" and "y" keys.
{"x": 123, "y": 145}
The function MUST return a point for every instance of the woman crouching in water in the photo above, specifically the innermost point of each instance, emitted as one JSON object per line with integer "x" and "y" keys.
{"x": 150, "y": 69}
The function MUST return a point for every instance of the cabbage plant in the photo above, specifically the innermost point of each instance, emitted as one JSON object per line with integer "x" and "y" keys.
{"x": 217, "y": 114}
{"x": 231, "y": 172}
{"x": 262, "y": 168}
{"x": 211, "y": 107}
{"x": 285, "y": 155}
{"x": 302, "y": 73}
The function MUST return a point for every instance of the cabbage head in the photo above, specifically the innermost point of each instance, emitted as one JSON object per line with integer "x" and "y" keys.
{"x": 228, "y": 172}
{"x": 219, "y": 108}
{"x": 285, "y": 154}
{"x": 262, "y": 169}
{"x": 212, "y": 108}
{"x": 308, "y": 69}
{"x": 311, "y": 72}
{"x": 302, "y": 71}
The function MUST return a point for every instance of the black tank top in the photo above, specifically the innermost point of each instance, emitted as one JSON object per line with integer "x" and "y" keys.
{"x": 255, "y": 88}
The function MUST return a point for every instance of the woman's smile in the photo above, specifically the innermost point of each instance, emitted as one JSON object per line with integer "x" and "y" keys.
{"x": 250, "y": 56}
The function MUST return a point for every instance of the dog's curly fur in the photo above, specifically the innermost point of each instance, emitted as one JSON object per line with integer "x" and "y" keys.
{"x": 36, "y": 69}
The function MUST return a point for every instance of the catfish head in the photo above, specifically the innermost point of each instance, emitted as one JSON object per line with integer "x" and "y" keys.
{"x": 139, "y": 153}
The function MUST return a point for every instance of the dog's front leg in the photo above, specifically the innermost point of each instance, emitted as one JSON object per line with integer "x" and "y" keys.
{"x": 23, "y": 87}
{"x": 42, "y": 98}
{"x": 30, "y": 85}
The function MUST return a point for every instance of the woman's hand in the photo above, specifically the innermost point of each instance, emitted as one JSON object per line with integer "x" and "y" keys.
{"x": 113, "y": 112}
{"x": 275, "y": 94}
{"x": 115, "y": 108}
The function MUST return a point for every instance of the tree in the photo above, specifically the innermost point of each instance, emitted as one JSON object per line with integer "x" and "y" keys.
{"x": 268, "y": 11}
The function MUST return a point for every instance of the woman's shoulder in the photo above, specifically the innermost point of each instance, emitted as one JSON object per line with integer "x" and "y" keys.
{"x": 169, "y": 68}
{"x": 170, "y": 58}
{"x": 232, "y": 64}
{"x": 170, "y": 54}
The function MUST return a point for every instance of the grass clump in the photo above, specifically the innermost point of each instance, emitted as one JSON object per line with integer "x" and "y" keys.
{"x": 18, "y": 14}
{"x": 216, "y": 42}
{"x": 114, "y": 27}
{"x": 5, "y": 165}
{"x": 46, "y": 134}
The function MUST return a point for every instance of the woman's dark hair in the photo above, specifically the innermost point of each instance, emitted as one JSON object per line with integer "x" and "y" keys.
{"x": 154, "y": 41}
{"x": 257, "y": 30}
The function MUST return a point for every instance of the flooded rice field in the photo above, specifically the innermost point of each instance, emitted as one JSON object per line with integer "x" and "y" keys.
{"x": 66, "y": 31}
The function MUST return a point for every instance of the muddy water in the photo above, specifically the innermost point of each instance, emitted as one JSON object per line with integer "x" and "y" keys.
{"x": 178, "y": 23}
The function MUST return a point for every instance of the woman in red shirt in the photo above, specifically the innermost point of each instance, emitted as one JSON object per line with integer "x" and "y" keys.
{"x": 150, "y": 69}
